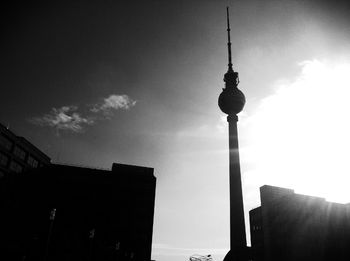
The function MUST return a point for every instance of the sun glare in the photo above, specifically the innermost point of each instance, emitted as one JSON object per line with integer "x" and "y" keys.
{"x": 299, "y": 136}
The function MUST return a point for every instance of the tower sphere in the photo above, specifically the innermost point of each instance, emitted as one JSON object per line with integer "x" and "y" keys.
{"x": 231, "y": 101}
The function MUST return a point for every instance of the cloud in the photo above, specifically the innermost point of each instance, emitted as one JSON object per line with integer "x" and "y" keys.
{"x": 69, "y": 118}
{"x": 64, "y": 118}
{"x": 113, "y": 102}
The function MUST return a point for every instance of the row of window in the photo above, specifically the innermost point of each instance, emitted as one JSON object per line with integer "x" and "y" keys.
{"x": 256, "y": 228}
{"x": 17, "y": 151}
{"x": 16, "y": 167}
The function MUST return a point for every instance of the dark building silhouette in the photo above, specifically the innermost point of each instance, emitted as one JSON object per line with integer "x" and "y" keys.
{"x": 289, "y": 226}
{"x": 17, "y": 154}
{"x": 66, "y": 213}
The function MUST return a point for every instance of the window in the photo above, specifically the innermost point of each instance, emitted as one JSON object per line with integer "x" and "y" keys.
{"x": 32, "y": 162}
{"x": 16, "y": 167}
{"x": 5, "y": 142}
{"x": 19, "y": 153}
{"x": 3, "y": 160}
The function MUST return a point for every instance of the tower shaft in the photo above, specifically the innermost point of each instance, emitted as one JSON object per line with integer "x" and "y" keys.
{"x": 237, "y": 225}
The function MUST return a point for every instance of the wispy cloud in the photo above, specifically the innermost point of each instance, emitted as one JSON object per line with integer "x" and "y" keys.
{"x": 71, "y": 118}
{"x": 64, "y": 118}
{"x": 113, "y": 102}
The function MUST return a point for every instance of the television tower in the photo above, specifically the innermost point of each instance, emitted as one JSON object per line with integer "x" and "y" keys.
{"x": 231, "y": 101}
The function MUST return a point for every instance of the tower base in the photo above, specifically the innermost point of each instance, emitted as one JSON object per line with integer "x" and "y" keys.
{"x": 237, "y": 254}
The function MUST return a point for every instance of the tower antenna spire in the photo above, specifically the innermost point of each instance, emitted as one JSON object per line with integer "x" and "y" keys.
{"x": 229, "y": 40}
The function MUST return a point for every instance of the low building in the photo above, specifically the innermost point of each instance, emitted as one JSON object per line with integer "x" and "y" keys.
{"x": 64, "y": 213}
{"x": 289, "y": 226}
{"x": 17, "y": 154}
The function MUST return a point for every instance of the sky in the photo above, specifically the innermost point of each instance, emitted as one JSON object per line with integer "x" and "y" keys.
{"x": 96, "y": 82}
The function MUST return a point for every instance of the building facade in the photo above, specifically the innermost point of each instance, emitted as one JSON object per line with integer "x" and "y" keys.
{"x": 66, "y": 213}
{"x": 289, "y": 226}
{"x": 17, "y": 154}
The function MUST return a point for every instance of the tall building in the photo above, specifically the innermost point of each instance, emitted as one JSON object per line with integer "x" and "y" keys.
{"x": 73, "y": 213}
{"x": 231, "y": 101}
{"x": 17, "y": 154}
{"x": 294, "y": 227}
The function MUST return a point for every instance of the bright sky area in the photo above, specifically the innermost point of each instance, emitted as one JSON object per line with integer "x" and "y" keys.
{"x": 137, "y": 83}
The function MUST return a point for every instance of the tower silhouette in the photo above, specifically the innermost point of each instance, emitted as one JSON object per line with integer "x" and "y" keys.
{"x": 231, "y": 101}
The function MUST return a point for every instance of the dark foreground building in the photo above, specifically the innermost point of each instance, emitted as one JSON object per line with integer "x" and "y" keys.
{"x": 72, "y": 213}
{"x": 289, "y": 226}
{"x": 17, "y": 154}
